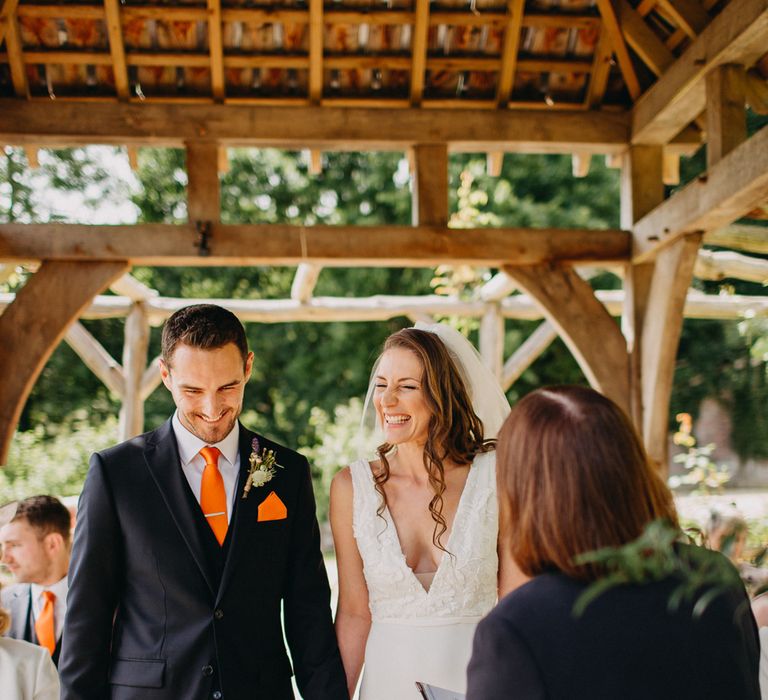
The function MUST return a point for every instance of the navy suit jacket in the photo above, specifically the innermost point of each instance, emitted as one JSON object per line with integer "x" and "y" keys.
{"x": 152, "y": 615}
{"x": 626, "y": 646}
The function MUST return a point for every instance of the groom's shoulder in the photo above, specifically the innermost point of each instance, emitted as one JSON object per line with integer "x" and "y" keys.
{"x": 134, "y": 447}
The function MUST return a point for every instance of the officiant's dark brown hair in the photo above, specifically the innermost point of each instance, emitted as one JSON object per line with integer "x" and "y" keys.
{"x": 204, "y": 326}
{"x": 573, "y": 477}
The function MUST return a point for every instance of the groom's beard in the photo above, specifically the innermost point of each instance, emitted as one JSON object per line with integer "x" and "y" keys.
{"x": 208, "y": 431}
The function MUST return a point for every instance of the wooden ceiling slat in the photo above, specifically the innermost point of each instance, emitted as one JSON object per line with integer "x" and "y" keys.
{"x": 419, "y": 51}
{"x": 117, "y": 48}
{"x": 515, "y": 10}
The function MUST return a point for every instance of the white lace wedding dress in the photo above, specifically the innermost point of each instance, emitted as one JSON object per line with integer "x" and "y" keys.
{"x": 417, "y": 634}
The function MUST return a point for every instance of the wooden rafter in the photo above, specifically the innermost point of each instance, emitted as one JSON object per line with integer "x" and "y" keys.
{"x": 96, "y": 358}
{"x": 734, "y": 186}
{"x": 304, "y": 282}
{"x": 514, "y": 26}
{"x": 689, "y": 15}
{"x": 15, "y": 55}
{"x": 737, "y": 35}
{"x": 601, "y": 69}
{"x": 643, "y": 40}
{"x": 117, "y": 47}
{"x": 419, "y": 51}
{"x": 726, "y": 111}
{"x": 316, "y": 29}
{"x": 386, "y": 246}
{"x": 306, "y": 127}
{"x": 535, "y": 344}
{"x": 7, "y": 11}
{"x": 216, "y": 49}
{"x": 611, "y": 26}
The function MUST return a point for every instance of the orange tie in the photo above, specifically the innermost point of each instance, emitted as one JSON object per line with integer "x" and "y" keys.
{"x": 44, "y": 627}
{"x": 213, "y": 498}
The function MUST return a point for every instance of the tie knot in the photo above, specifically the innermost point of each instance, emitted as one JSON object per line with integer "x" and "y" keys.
{"x": 211, "y": 455}
{"x": 49, "y": 596}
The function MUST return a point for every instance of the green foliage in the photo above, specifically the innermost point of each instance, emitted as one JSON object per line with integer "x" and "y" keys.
{"x": 40, "y": 463}
{"x": 655, "y": 556}
{"x": 701, "y": 472}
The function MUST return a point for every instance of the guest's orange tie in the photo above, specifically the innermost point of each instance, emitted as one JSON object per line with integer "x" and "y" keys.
{"x": 44, "y": 627}
{"x": 213, "y": 498}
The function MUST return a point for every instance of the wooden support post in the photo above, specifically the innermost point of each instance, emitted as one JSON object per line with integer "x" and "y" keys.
{"x": 315, "y": 161}
{"x": 151, "y": 378}
{"x": 726, "y": 111}
{"x": 7, "y": 12}
{"x": 642, "y": 188}
{"x": 203, "y": 190}
{"x": 14, "y": 49}
{"x": 535, "y": 344}
{"x": 662, "y": 325}
{"x": 216, "y": 50}
{"x": 583, "y": 323}
{"x": 135, "y": 354}
{"x": 492, "y": 339}
{"x": 223, "y": 165}
{"x": 493, "y": 162}
{"x": 580, "y": 163}
{"x": 35, "y": 322}
{"x": 512, "y": 33}
{"x": 33, "y": 159}
{"x": 117, "y": 48}
{"x": 96, "y": 358}
{"x": 316, "y": 28}
{"x": 671, "y": 168}
{"x": 304, "y": 282}
{"x": 133, "y": 157}
{"x": 430, "y": 185}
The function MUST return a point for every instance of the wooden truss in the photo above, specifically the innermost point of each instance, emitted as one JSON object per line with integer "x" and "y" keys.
{"x": 661, "y": 76}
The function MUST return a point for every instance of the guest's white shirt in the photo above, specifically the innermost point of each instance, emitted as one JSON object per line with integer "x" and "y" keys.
{"x": 26, "y": 672}
{"x": 193, "y": 464}
{"x": 59, "y": 589}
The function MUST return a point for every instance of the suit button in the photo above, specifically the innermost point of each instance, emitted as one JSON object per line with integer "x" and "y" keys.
{"x": 208, "y": 670}
{"x": 217, "y": 695}
{"x": 218, "y": 614}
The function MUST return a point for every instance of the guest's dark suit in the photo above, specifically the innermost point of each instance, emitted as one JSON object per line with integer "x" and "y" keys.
{"x": 626, "y": 646}
{"x": 17, "y": 600}
{"x": 156, "y": 609}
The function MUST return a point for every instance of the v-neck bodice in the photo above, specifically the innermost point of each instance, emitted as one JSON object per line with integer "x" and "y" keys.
{"x": 465, "y": 582}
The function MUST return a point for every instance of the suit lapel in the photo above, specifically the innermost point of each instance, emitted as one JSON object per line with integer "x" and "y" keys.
{"x": 22, "y": 626}
{"x": 244, "y": 511}
{"x": 162, "y": 457}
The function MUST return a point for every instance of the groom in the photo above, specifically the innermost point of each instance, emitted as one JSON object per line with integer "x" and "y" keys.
{"x": 180, "y": 562}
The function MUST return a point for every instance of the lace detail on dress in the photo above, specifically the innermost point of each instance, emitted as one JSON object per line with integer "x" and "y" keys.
{"x": 464, "y": 585}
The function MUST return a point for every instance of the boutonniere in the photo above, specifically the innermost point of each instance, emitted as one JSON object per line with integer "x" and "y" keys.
{"x": 262, "y": 466}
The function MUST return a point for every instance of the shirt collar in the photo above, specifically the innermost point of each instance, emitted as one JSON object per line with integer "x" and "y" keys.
{"x": 59, "y": 589}
{"x": 190, "y": 445}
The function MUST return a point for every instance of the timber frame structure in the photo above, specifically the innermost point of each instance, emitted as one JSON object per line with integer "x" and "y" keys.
{"x": 639, "y": 82}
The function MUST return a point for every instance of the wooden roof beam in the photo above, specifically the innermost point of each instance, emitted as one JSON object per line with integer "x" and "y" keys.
{"x": 326, "y": 128}
{"x": 739, "y": 34}
{"x": 730, "y": 189}
{"x": 643, "y": 40}
{"x": 689, "y": 15}
{"x": 601, "y": 69}
{"x": 337, "y": 246}
{"x": 13, "y": 45}
{"x": 7, "y": 13}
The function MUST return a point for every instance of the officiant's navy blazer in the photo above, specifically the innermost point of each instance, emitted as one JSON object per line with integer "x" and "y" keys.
{"x": 156, "y": 609}
{"x": 626, "y": 646}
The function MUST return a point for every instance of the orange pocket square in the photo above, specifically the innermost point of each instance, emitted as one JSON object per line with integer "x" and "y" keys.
{"x": 272, "y": 508}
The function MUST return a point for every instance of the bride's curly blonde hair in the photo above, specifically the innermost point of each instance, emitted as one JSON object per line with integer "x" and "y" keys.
{"x": 455, "y": 433}
{"x": 5, "y": 619}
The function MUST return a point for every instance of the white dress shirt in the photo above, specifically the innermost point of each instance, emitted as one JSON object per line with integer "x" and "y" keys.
{"x": 193, "y": 464}
{"x": 59, "y": 589}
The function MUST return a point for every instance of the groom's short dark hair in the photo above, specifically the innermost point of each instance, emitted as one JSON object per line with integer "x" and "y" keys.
{"x": 45, "y": 514}
{"x": 204, "y": 326}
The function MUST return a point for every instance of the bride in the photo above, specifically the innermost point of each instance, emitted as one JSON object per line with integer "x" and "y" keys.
{"x": 416, "y": 528}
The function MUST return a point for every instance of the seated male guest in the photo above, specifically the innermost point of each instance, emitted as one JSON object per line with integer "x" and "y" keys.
{"x": 573, "y": 478}
{"x": 36, "y": 546}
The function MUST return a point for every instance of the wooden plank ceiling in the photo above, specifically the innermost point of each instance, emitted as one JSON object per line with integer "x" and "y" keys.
{"x": 549, "y": 54}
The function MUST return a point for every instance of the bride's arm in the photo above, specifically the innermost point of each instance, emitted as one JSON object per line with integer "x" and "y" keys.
{"x": 353, "y": 617}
